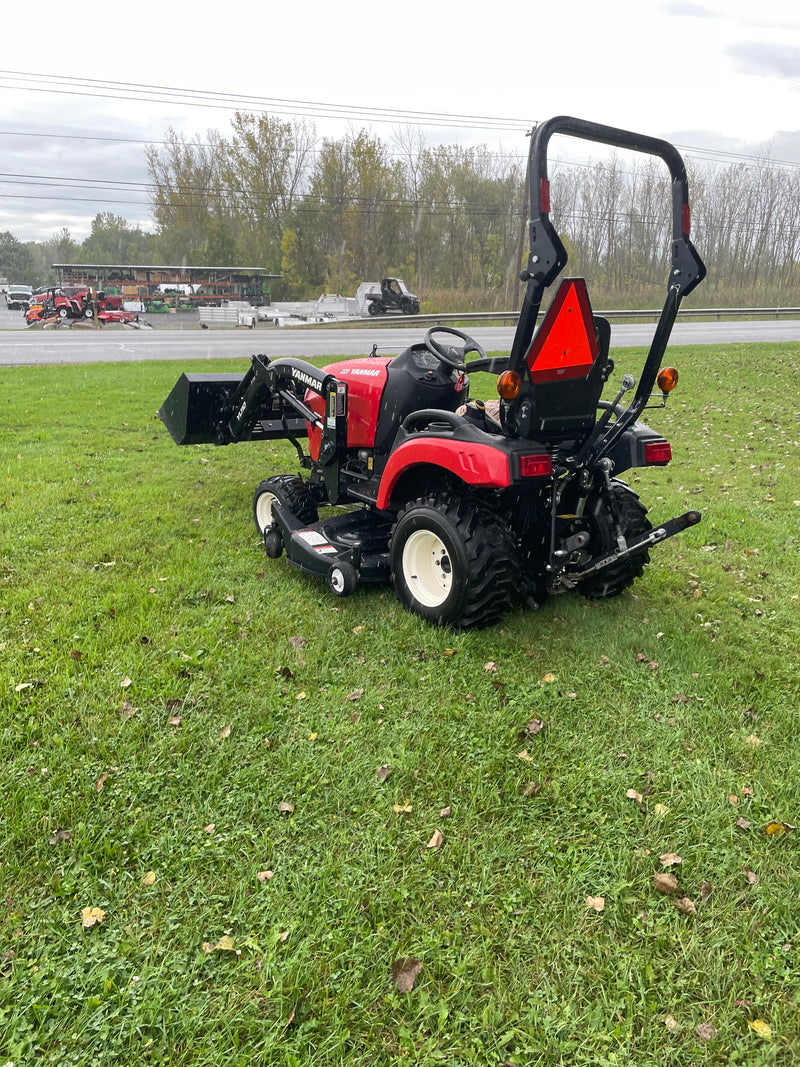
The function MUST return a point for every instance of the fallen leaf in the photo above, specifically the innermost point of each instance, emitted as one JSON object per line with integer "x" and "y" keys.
{"x": 383, "y": 772}
{"x": 210, "y": 828}
{"x": 598, "y": 903}
{"x": 398, "y": 809}
{"x": 175, "y": 720}
{"x": 734, "y": 799}
{"x": 61, "y": 835}
{"x": 91, "y": 916}
{"x": 225, "y": 944}
{"x": 535, "y": 726}
{"x": 549, "y": 678}
{"x": 437, "y": 840}
{"x": 686, "y": 906}
{"x": 671, "y": 1023}
{"x": 225, "y": 732}
{"x": 313, "y": 737}
{"x": 286, "y": 806}
{"x": 282, "y": 937}
{"x": 750, "y": 878}
{"x": 445, "y": 813}
{"x": 706, "y": 1031}
{"x": 531, "y": 789}
{"x": 264, "y": 876}
{"x": 752, "y": 740}
{"x": 358, "y": 629}
{"x": 101, "y": 781}
{"x": 75, "y": 653}
{"x": 758, "y": 1026}
{"x": 660, "y": 810}
{"x": 298, "y": 642}
{"x": 128, "y": 710}
{"x": 670, "y": 859}
{"x": 490, "y": 667}
{"x": 665, "y": 883}
{"x": 524, "y": 755}
{"x": 743, "y": 824}
{"x": 149, "y": 878}
{"x": 125, "y": 683}
{"x": 775, "y": 829}
{"x": 631, "y": 794}
{"x": 356, "y": 694}
{"x": 21, "y": 686}
{"x": 405, "y": 973}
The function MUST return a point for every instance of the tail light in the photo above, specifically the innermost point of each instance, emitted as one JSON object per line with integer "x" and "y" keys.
{"x": 657, "y": 453}
{"x": 539, "y": 465}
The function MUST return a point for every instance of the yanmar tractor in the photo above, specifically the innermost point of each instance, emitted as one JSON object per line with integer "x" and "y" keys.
{"x": 407, "y": 480}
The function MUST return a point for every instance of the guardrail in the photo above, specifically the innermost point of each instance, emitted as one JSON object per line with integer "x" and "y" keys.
{"x": 511, "y": 317}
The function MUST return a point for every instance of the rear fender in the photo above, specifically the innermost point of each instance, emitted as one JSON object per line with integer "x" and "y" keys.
{"x": 475, "y": 464}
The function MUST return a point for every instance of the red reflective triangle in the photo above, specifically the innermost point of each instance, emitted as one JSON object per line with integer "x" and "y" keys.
{"x": 565, "y": 345}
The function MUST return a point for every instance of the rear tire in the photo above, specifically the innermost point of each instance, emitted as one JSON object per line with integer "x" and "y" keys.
{"x": 374, "y": 307}
{"x": 288, "y": 490}
{"x": 453, "y": 562}
{"x": 632, "y": 514}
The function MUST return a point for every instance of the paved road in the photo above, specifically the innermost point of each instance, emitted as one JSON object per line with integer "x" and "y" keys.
{"x": 113, "y": 344}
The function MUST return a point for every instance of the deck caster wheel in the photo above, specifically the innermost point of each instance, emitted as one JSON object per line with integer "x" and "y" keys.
{"x": 273, "y": 543}
{"x": 342, "y": 579}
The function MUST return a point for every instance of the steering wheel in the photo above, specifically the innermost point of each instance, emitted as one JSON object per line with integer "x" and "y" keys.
{"x": 452, "y": 355}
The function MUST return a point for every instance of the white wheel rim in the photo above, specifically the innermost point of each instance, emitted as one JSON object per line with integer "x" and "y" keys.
{"x": 337, "y": 580}
{"x": 264, "y": 510}
{"x": 427, "y": 568}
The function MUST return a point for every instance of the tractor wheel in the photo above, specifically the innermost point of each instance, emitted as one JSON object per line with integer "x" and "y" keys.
{"x": 632, "y": 514}
{"x": 62, "y": 313}
{"x": 453, "y": 562}
{"x": 88, "y": 313}
{"x": 290, "y": 492}
{"x": 374, "y": 307}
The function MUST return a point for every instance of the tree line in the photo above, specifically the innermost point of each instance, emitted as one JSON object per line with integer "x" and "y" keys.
{"x": 329, "y": 213}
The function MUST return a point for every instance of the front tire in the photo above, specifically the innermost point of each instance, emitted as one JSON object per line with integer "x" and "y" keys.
{"x": 374, "y": 307}
{"x": 453, "y": 562}
{"x": 631, "y": 513}
{"x": 288, "y": 490}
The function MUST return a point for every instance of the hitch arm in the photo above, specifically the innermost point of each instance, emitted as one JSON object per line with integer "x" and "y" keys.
{"x": 636, "y": 544}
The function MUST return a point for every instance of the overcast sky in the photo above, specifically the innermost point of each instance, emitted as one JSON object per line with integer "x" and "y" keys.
{"x": 81, "y": 91}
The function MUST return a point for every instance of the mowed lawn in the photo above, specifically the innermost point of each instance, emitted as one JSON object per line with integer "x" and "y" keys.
{"x": 244, "y": 822}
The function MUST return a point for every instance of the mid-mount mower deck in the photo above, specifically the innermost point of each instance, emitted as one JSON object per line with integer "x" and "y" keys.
{"x": 463, "y": 512}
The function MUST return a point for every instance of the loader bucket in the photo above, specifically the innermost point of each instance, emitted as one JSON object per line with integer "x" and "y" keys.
{"x": 194, "y": 409}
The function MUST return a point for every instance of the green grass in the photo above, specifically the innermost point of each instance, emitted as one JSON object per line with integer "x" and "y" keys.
{"x": 155, "y": 702}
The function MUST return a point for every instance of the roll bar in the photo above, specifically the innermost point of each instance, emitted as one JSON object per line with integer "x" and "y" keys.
{"x": 548, "y": 257}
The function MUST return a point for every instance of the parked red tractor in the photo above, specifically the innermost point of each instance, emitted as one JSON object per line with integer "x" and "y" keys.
{"x": 466, "y": 513}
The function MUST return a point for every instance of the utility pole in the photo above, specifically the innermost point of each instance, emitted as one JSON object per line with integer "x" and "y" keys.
{"x": 523, "y": 224}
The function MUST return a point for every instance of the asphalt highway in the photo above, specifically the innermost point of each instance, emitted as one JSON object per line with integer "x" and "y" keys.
{"x": 20, "y": 347}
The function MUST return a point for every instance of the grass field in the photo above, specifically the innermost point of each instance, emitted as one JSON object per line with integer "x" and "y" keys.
{"x": 222, "y": 785}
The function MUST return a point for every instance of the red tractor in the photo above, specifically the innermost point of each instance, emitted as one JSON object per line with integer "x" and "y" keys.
{"x": 464, "y": 509}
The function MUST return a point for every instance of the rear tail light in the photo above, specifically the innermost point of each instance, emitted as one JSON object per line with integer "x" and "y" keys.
{"x": 657, "y": 453}
{"x": 535, "y": 466}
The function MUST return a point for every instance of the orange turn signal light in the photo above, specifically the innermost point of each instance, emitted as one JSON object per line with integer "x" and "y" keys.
{"x": 667, "y": 379}
{"x": 509, "y": 384}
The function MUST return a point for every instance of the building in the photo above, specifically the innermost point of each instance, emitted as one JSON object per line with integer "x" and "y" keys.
{"x": 202, "y": 286}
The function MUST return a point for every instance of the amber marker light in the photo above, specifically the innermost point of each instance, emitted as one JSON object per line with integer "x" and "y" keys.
{"x": 508, "y": 384}
{"x": 667, "y": 379}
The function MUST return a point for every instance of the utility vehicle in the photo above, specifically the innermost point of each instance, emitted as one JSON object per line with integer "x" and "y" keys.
{"x": 393, "y": 296}
{"x": 403, "y": 478}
